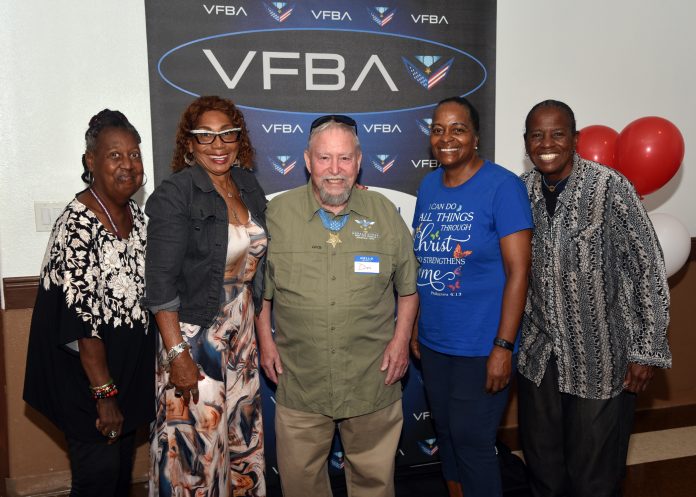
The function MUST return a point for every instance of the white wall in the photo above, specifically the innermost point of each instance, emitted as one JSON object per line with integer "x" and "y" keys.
{"x": 612, "y": 61}
{"x": 60, "y": 62}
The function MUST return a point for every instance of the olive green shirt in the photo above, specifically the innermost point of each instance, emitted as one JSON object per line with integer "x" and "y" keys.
{"x": 334, "y": 307}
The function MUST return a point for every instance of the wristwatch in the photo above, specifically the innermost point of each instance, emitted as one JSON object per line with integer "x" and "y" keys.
{"x": 501, "y": 342}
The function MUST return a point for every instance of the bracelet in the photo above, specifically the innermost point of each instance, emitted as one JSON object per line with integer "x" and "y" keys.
{"x": 105, "y": 391}
{"x": 102, "y": 387}
{"x": 176, "y": 350}
{"x": 501, "y": 342}
{"x": 105, "y": 395}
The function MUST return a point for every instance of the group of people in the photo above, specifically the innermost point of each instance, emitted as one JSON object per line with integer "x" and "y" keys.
{"x": 173, "y": 319}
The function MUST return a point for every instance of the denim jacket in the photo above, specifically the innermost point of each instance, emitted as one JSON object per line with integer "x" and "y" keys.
{"x": 187, "y": 243}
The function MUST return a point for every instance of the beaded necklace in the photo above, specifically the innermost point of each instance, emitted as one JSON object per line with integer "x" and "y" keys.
{"x": 108, "y": 214}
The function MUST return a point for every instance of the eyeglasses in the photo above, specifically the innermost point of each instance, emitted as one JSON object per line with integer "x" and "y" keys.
{"x": 206, "y": 137}
{"x": 339, "y": 118}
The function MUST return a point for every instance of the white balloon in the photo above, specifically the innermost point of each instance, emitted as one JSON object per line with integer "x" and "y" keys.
{"x": 674, "y": 239}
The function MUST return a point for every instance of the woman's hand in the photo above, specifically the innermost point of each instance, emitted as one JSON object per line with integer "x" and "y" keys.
{"x": 109, "y": 419}
{"x": 184, "y": 376}
{"x": 638, "y": 377}
{"x": 415, "y": 347}
{"x": 499, "y": 369}
{"x": 183, "y": 372}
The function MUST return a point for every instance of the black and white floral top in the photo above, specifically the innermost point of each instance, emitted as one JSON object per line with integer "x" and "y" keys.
{"x": 103, "y": 277}
{"x": 91, "y": 287}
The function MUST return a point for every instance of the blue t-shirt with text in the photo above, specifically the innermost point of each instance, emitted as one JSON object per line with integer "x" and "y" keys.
{"x": 457, "y": 243}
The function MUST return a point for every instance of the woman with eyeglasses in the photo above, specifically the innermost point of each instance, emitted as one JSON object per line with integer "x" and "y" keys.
{"x": 204, "y": 274}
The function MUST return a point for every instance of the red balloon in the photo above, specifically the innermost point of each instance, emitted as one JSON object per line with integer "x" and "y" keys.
{"x": 598, "y": 143}
{"x": 649, "y": 152}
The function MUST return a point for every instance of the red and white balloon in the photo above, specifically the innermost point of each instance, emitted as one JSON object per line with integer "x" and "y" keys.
{"x": 649, "y": 152}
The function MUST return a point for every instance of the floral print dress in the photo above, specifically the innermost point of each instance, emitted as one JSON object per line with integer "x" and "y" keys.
{"x": 215, "y": 448}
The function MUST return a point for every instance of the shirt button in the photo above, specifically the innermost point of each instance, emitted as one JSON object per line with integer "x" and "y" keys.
{"x": 333, "y": 277}
{"x": 333, "y": 328}
{"x": 332, "y": 303}
{"x": 333, "y": 351}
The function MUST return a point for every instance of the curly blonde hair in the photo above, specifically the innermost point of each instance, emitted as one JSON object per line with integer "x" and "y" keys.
{"x": 189, "y": 120}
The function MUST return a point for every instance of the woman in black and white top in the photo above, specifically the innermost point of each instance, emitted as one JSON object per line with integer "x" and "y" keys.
{"x": 595, "y": 323}
{"x": 90, "y": 361}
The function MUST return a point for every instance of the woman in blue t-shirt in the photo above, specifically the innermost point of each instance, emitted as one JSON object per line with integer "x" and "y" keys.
{"x": 473, "y": 241}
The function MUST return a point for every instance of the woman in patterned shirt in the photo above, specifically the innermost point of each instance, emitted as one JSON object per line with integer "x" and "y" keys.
{"x": 90, "y": 361}
{"x": 595, "y": 323}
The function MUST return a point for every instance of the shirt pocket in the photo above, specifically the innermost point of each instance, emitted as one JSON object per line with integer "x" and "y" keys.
{"x": 368, "y": 274}
{"x": 297, "y": 271}
{"x": 202, "y": 231}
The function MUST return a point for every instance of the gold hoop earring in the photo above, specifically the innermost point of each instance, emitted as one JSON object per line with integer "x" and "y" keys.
{"x": 189, "y": 159}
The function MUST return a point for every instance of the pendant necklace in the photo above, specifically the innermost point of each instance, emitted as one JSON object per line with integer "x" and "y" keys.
{"x": 552, "y": 188}
{"x": 108, "y": 214}
{"x": 333, "y": 225}
{"x": 230, "y": 194}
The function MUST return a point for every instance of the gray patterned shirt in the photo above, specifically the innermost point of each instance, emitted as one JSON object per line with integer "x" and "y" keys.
{"x": 598, "y": 295}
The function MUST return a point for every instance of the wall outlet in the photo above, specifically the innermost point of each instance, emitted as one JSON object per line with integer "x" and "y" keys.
{"x": 46, "y": 213}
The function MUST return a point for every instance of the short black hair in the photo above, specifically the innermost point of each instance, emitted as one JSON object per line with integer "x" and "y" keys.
{"x": 473, "y": 113}
{"x": 552, "y": 103}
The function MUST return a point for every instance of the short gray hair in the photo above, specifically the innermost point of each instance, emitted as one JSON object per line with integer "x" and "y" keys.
{"x": 334, "y": 124}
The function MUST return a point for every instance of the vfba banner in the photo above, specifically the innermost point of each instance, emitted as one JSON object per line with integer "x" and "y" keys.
{"x": 286, "y": 63}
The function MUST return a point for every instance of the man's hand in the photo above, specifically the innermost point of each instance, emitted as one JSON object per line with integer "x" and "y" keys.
{"x": 270, "y": 360}
{"x": 637, "y": 377}
{"x": 395, "y": 360}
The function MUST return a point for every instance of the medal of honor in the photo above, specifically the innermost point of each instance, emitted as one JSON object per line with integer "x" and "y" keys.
{"x": 333, "y": 240}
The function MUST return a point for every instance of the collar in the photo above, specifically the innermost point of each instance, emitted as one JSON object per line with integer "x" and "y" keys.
{"x": 200, "y": 178}
{"x": 356, "y": 203}
{"x": 240, "y": 176}
{"x": 244, "y": 178}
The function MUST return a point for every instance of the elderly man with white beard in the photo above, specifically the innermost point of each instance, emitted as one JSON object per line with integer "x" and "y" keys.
{"x": 337, "y": 255}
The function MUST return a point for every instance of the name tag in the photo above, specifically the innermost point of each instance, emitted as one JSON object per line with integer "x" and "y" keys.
{"x": 366, "y": 264}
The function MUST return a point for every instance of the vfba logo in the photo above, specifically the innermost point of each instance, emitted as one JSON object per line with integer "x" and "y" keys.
{"x": 331, "y": 15}
{"x": 424, "y": 125}
{"x": 285, "y": 128}
{"x": 382, "y": 128}
{"x": 279, "y": 11}
{"x": 429, "y": 77}
{"x": 227, "y": 10}
{"x": 367, "y": 81}
{"x": 282, "y": 164}
{"x": 421, "y": 163}
{"x": 428, "y": 446}
{"x": 381, "y": 15}
{"x": 383, "y": 163}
